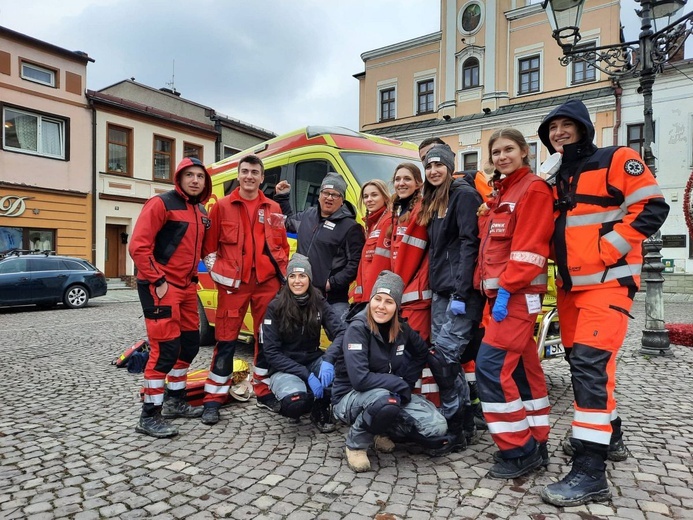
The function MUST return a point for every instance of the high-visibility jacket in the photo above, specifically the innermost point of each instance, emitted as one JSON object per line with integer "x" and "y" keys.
{"x": 515, "y": 236}
{"x": 232, "y": 227}
{"x": 409, "y": 258}
{"x": 375, "y": 256}
{"x": 603, "y": 213}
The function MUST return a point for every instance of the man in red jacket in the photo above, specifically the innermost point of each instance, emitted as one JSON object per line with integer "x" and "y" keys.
{"x": 166, "y": 245}
{"x": 246, "y": 252}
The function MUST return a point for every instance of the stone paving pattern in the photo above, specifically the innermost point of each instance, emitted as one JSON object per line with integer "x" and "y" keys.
{"x": 68, "y": 448}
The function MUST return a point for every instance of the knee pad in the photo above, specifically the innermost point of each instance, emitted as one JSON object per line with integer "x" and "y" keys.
{"x": 223, "y": 358}
{"x": 443, "y": 372}
{"x": 295, "y": 405}
{"x": 168, "y": 355}
{"x": 381, "y": 415}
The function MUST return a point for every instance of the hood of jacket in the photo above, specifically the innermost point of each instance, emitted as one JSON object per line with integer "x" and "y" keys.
{"x": 206, "y": 192}
{"x": 575, "y": 110}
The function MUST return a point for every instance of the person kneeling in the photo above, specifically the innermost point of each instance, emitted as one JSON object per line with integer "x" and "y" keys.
{"x": 382, "y": 358}
{"x": 300, "y": 375}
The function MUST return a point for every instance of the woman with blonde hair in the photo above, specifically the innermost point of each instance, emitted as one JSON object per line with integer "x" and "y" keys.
{"x": 375, "y": 255}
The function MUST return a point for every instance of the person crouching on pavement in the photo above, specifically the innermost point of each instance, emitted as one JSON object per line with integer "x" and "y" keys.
{"x": 382, "y": 358}
{"x": 166, "y": 248}
{"x": 300, "y": 375}
{"x": 515, "y": 227}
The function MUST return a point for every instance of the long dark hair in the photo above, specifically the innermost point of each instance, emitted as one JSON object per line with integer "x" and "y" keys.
{"x": 299, "y": 319}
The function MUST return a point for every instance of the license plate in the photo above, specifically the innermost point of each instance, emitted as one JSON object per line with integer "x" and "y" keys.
{"x": 555, "y": 350}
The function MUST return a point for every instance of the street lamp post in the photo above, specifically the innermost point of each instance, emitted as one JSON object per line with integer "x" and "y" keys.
{"x": 642, "y": 58}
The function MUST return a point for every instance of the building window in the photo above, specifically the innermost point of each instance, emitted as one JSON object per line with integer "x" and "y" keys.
{"x": 470, "y": 161}
{"x": 119, "y": 146}
{"x": 387, "y": 104}
{"x": 425, "y": 96}
{"x": 192, "y": 150}
{"x": 163, "y": 159}
{"x": 33, "y": 133}
{"x": 636, "y": 137}
{"x": 229, "y": 151}
{"x": 583, "y": 71}
{"x": 38, "y": 74}
{"x": 26, "y": 238}
{"x": 528, "y": 74}
{"x": 533, "y": 157}
{"x": 470, "y": 73}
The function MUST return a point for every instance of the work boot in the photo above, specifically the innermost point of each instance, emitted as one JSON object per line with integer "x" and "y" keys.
{"x": 383, "y": 444}
{"x": 517, "y": 466}
{"x": 458, "y": 437}
{"x": 543, "y": 451}
{"x": 156, "y": 426}
{"x": 269, "y": 402}
{"x": 178, "y": 407}
{"x": 357, "y": 460}
{"x": 210, "y": 415}
{"x": 479, "y": 420}
{"x": 586, "y": 481}
{"x": 321, "y": 417}
{"x": 617, "y": 451}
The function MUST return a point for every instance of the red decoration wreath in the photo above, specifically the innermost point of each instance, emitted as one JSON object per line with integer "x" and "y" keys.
{"x": 687, "y": 207}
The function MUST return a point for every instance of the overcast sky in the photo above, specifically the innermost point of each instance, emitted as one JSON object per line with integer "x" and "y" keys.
{"x": 277, "y": 64}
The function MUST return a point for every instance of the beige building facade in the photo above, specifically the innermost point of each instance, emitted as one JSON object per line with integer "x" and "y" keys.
{"x": 46, "y": 183}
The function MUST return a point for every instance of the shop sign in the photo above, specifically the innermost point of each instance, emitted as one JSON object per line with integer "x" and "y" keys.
{"x": 12, "y": 205}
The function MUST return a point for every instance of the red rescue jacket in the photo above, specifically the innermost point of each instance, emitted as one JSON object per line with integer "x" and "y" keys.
{"x": 515, "y": 236}
{"x": 375, "y": 256}
{"x": 232, "y": 227}
{"x": 410, "y": 257}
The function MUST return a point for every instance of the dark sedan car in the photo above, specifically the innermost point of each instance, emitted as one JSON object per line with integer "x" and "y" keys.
{"x": 47, "y": 279}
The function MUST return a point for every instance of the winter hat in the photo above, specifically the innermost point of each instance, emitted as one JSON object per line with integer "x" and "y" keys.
{"x": 389, "y": 283}
{"x": 299, "y": 264}
{"x": 443, "y": 154}
{"x": 334, "y": 181}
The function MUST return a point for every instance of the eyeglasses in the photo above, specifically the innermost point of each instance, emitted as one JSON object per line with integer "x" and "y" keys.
{"x": 331, "y": 195}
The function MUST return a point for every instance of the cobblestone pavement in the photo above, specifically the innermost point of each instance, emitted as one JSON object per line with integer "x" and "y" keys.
{"x": 68, "y": 448}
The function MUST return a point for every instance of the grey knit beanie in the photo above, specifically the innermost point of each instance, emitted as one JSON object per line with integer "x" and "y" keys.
{"x": 299, "y": 264}
{"x": 336, "y": 182}
{"x": 389, "y": 283}
{"x": 443, "y": 154}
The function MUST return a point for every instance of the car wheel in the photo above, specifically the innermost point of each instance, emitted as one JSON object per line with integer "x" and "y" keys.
{"x": 206, "y": 330}
{"x": 76, "y": 297}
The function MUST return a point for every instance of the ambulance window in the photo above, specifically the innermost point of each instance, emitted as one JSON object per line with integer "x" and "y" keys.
{"x": 271, "y": 180}
{"x": 229, "y": 186}
{"x": 309, "y": 176}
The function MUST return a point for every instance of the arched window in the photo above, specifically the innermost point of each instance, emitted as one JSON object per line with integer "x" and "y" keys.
{"x": 470, "y": 73}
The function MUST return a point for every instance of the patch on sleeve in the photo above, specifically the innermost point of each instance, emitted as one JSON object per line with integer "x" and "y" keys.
{"x": 634, "y": 167}
{"x": 267, "y": 322}
{"x": 355, "y": 346}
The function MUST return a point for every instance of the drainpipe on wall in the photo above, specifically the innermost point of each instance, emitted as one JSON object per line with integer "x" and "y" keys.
{"x": 618, "y": 93}
{"x": 93, "y": 183}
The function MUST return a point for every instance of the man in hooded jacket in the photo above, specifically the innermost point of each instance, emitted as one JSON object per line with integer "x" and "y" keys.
{"x": 606, "y": 203}
{"x": 166, "y": 249}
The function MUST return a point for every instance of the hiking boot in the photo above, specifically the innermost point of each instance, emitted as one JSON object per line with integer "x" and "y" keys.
{"x": 456, "y": 443}
{"x": 586, "y": 481}
{"x": 210, "y": 415}
{"x": 178, "y": 407}
{"x": 479, "y": 420}
{"x": 269, "y": 402}
{"x": 156, "y": 426}
{"x": 321, "y": 417}
{"x": 357, "y": 460}
{"x": 543, "y": 451}
{"x": 517, "y": 466}
{"x": 383, "y": 444}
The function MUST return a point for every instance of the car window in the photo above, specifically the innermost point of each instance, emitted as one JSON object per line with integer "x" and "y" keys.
{"x": 309, "y": 176}
{"x": 73, "y": 265}
{"x": 44, "y": 264}
{"x": 369, "y": 166}
{"x": 13, "y": 265}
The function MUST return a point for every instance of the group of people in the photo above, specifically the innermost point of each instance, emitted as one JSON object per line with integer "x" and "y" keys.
{"x": 448, "y": 275}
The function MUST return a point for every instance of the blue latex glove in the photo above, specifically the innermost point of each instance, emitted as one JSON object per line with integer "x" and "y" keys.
{"x": 457, "y": 307}
{"x": 500, "y": 308}
{"x": 326, "y": 374}
{"x": 315, "y": 386}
